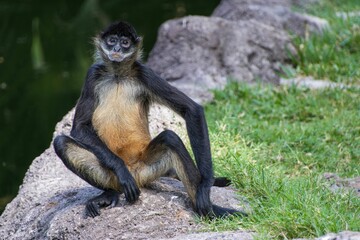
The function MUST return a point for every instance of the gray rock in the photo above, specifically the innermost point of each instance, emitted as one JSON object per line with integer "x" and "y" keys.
{"x": 304, "y": 3}
{"x": 50, "y": 203}
{"x": 244, "y": 40}
{"x": 347, "y": 15}
{"x": 310, "y": 82}
{"x": 217, "y": 236}
{"x": 346, "y": 235}
{"x": 340, "y": 184}
{"x": 200, "y": 53}
{"x": 276, "y": 13}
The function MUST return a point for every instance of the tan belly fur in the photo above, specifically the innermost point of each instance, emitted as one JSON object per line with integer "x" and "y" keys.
{"x": 121, "y": 122}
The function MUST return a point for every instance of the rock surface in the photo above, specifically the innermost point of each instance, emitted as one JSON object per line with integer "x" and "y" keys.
{"x": 341, "y": 184}
{"x": 244, "y": 40}
{"x": 201, "y": 53}
{"x": 346, "y": 235}
{"x": 50, "y": 203}
{"x": 196, "y": 54}
{"x": 310, "y": 82}
{"x": 276, "y": 13}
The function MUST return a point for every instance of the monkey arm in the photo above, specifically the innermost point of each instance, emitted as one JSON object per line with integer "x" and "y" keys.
{"x": 87, "y": 137}
{"x": 82, "y": 129}
{"x": 193, "y": 114}
{"x": 84, "y": 132}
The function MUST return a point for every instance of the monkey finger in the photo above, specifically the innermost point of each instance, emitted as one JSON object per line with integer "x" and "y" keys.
{"x": 128, "y": 196}
{"x": 131, "y": 194}
{"x": 204, "y": 212}
{"x": 205, "y": 208}
{"x": 203, "y": 203}
{"x": 135, "y": 193}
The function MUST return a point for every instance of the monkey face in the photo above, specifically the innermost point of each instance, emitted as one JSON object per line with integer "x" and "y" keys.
{"x": 117, "y": 48}
{"x": 119, "y": 42}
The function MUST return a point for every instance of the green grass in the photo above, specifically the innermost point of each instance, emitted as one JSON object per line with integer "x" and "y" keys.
{"x": 275, "y": 143}
{"x": 335, "y": 54}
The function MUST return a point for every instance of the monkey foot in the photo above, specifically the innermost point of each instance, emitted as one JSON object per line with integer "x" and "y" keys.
{"x": 108, "y": 198}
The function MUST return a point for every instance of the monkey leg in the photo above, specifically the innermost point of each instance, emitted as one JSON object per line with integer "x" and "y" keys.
{"x": 81, "y": 161}
{"x": 166, "y": 152}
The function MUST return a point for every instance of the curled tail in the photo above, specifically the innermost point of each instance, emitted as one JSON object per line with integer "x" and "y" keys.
{"x": 219, "y": 212}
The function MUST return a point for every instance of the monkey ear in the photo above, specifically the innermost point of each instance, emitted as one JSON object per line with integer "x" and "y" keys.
{"x": 138, "y": 40}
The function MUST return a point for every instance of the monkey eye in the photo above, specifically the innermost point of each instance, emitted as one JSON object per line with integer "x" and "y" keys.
{"x": 125, "y": 43}
{"x": 112, "y": 40}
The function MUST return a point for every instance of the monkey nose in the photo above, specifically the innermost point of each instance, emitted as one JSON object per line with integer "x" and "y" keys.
{"x": 117, "y": 48}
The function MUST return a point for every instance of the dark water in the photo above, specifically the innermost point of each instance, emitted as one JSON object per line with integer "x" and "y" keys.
{"x": 45, "y": 51}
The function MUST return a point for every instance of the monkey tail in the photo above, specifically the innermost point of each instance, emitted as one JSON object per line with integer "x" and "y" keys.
{"x": 222, "y": 182}
{"x": 225, "y": 212}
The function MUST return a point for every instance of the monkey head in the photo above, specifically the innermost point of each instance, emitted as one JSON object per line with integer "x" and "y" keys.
{"x": 118, "y": 42}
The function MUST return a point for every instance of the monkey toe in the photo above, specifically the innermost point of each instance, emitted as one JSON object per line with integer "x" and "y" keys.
{"x": 106, "y": 199}
{"x": 203, "y": 205}
{"x": 92, "y": 210}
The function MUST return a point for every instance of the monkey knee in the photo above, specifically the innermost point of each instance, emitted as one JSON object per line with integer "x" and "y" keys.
{"x": 59, "y": 144}
{"x": 59, "y": 141}
{"x": 84, "y": 163}
{"x": 170, "y": 139}
{"x": 68, "y": 150}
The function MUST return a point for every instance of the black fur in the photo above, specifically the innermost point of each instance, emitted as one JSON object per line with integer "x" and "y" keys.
{"x": 121, "y": 28}
{"x": 222, "y": 182}
{"x": 156, "y": 89}
{"x": 107, "y": 198}
{"x": 84, "y": 133}
{"x": 193, "y": 114}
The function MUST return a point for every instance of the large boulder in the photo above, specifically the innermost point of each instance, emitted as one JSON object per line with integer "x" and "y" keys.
{"x": 276, "y": 13}
{"x": 244, "y": 40}
{"x": 50, "y": 202}
{"x": 200, "y": 53}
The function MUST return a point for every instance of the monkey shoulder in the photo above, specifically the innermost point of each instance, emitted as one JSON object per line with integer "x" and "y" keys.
{"x": 95, "y": 72}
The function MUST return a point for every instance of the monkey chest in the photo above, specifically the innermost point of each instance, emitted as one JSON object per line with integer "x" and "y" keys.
{"x": 121, "y": 122}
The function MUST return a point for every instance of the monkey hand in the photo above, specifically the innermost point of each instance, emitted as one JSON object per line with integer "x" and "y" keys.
{"x": 203, "y": 204}
{"x": 128, "y": 185}
{"x": 204, "y": 207}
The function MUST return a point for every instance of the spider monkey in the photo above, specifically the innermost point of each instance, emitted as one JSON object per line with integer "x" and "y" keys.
{"x": 110, "y": 145}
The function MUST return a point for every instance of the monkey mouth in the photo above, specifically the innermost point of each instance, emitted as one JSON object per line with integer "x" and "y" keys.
{"x": 116, "y": 57}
